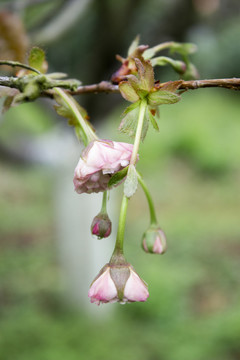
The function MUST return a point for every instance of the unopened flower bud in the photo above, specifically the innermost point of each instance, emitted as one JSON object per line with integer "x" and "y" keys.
{"x": 179, "y": 66}
{"x": 191, "y": 73}
{"x": 118, "y": 282}
{"x": 101, "y": 226}
{"x": 154, "y": 241}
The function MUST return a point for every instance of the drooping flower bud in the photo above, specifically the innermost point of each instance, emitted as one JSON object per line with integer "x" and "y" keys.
{"x": 191, "y": 73}
{"x": 118, "y": 282}
{"x": 98, "y": 162}
{"x": 101, "y": 226}
{"x": 154, "y": 240}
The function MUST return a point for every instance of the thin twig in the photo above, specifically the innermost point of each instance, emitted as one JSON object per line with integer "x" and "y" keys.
{"x": 103, "y": 86}
{"x": 108, "y": 87}
{"x": 232, "y": 84}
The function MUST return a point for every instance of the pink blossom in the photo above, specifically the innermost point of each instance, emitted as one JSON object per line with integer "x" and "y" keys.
{"x": 98, "y": 162}
{"x": 118, "y": 283}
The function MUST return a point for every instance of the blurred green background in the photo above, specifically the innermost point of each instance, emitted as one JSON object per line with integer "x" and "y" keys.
{"x": 191, "y": 166}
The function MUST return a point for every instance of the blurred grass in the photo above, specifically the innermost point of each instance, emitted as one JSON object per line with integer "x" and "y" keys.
{"x": 193, "y": 311}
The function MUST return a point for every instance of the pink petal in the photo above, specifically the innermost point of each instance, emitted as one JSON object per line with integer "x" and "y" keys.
{"x": 103, "y": 288}
{"x": 135, "y": 288}
{"x": 157, "y": 247}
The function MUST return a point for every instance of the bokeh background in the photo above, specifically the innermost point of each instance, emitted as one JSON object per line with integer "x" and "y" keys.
{"x": 191, "y": 165}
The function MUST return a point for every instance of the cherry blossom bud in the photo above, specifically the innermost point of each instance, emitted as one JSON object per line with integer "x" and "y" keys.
{"x": 154, "y": 241}
{"x": 99, "y": 161}
{"x": 118, "y": 283}
{"x": 101, "y": 226}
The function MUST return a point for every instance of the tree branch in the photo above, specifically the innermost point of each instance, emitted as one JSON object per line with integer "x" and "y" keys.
{"x": 103, "y": 86}
{"x": 232, "y": 84}
{"x": 108, "y": 87}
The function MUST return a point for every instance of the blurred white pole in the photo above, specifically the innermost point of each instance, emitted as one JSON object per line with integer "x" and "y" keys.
{"x": 82, "y": 255}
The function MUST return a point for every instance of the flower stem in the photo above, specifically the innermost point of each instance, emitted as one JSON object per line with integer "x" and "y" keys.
{"x": 89, "y": 133}
{"x": 137, "y": 140}
{"x": 104, "y": 203}
{"x": 153, "y": 218}
{"x": 121, "y": 227}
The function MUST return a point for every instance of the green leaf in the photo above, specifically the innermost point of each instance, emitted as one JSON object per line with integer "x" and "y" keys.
{"x": 151, "y": 118}
{"x": 149, "y": 53}
{"x": 129, "y": 122}
{"x": 133, "y": 45}
{"x": 172, "y": 85}
{"x": 144, "y": 128}
{"x": 37, "y": 60}
{"x": 118, "y": 177}
{"x": 134, "y": 82}
{"x": 146, "y": 75}
{"x": 131, "y": 107}
{"x": 63, "y": 110}
{"x": 131, "y": 182}
{"x": 162, "y": 97}
{"x": 128, "y": 92}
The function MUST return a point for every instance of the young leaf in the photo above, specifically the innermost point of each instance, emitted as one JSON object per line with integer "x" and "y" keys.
{"x": 118, "y": 177}
{"x": 160, "y": 97}
{"x": 151, "y": 118}
{"x": 63, "y": 110}
{"x": 172, "y": 85}
{"x": 128, "y": 92}
{"x": 37, "y": 60}
{"x": 146, "y": 75}
{"x": 144, "y": 128}
{"x": 9, "y": 94}
{"x": 133, "y": 45}
{"x": 129, "y": 122}
{"x": 131, "y": 182}
{"x": 131, "y": 107}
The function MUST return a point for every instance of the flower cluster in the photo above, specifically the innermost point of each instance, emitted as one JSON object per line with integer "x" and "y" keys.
{"x": 105, "y": 163}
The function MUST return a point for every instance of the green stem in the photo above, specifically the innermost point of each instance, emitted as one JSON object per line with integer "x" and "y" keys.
{"x": 104, "y": 203}
{"x": 153, "y": 218}
{"x": 121, "y": 227}
{"x": 137, "y": 140}
{"x": 90, "y": 135}
{"x": 16, "y": 63}
{"x": 156, "y": 49}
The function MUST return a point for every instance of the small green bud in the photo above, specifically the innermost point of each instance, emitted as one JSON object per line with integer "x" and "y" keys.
{"x": 154, "y": 240}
